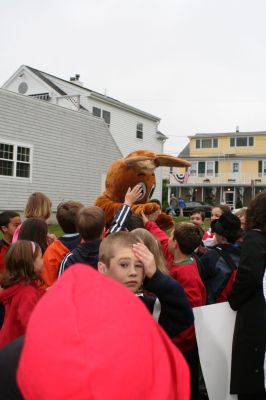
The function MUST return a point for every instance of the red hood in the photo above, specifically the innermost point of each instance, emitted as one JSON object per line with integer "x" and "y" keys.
{"x": 91, "y": 338}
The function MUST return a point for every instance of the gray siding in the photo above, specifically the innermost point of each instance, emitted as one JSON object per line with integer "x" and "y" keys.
{"x": 71, "y": 151}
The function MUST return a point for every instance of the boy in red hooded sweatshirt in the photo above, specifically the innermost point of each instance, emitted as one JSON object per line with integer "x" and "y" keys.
{"x": 90, "y": 338}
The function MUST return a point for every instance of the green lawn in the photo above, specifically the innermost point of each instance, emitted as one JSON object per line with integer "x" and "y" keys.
{"x": 55, "y": 229}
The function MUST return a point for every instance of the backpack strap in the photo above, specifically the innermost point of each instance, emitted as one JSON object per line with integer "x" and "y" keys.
{"x": 199, "y": 264}
{"x": 226, "y": 257}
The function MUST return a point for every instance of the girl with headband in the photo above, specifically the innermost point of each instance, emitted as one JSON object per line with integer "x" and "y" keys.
{"x": 20, "y": 288}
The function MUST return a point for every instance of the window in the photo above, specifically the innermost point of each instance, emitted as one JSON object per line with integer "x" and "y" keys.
{"x": 242, "y": 141}
{"x": 194, "y": 168}
{"x": 96, "y": 111}
{"x": 106, "y": 115}
{"x": 201, "y": 168}
{"x": 262, "y": 168}
{"x": 204, "y": 168}
{"x": 210, "y": 168}
{"x": 15, "y": 160}
{"x": 139, "y": 133}
{"x": 206, "y": 143}
{"x": 235, "y": 167}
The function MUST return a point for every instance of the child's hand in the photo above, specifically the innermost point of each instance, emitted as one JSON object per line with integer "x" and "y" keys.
{"x": 154, "y": 216}
{"x": 145, "y": 219}
{"x": 132, "y": 195}
{"x": 50, "y": 238}
{"x": 146, "y": 257}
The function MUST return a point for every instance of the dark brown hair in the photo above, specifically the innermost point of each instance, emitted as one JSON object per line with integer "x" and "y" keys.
{"x": 256, "y": 213}
{"x": 19, "y": 262}
{"x": 36, "y": 230}
{"x": 198, "y": 211}
{"x": 6, "y": 216}
{"x": 222, "y": 207}
{"x": 38, "y": 206}
{"x": 112, "y": 243}
{"x": 188, "y": 236}
{"x": 134, "y": 222}
{"x": 90, "y": 223}
{"x": 66, "y": 215}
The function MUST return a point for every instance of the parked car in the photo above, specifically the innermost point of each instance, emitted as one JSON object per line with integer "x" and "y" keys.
{"x": 191, "y": 205}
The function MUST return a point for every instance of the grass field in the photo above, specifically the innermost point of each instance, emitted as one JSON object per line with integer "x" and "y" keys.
{"x": 58, "y": 231}
{"x": 55, "y": 229}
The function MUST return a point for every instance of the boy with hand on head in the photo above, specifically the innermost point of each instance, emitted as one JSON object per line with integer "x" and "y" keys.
{"x": 66, "y": 216}
{"x": 9, "y": 221}
{"x": 125, "y": 260}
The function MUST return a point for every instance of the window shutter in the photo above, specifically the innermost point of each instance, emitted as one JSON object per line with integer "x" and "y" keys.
{"x": 201, "y": 169}
{"x": 260, "y": 166}
{"x": 216, "y": 167}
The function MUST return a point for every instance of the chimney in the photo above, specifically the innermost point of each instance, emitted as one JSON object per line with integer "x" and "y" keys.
{"x": 237, "y": 129}
{"x": 75, "y": 79}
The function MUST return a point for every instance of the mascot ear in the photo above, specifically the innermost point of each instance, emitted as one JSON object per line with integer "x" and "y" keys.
{"x": 163, "y": 160}
{"x": 136, "y": 161}
{"x": 157, "y": 160}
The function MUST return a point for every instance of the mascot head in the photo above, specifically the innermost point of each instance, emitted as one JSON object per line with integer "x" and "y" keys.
{"x": 137, "y": 168}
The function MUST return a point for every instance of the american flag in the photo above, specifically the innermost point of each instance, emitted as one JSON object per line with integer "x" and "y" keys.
{"x": 180, "y": 178}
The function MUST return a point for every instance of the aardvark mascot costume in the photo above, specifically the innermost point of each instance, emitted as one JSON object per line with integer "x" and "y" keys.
{"x": 136, "y": 168}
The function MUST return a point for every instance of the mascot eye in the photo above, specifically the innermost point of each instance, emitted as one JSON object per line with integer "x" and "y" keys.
{"x": 143, "y": 189}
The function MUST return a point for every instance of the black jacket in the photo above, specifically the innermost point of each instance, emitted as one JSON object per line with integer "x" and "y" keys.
{"x": 9, "y": 359}
{"x": 170, "y": 306}
{"x": 85, "y": 253}
{"x": 247, "y": 298}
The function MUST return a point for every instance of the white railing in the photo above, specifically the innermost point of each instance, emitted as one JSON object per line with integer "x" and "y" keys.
{"x": 225, "y": 179}
{"x": 73, "y": 99}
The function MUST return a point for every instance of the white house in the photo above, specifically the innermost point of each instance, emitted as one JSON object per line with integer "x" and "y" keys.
{"x": 43, "y": 147}
{"x": 131, "y": 128}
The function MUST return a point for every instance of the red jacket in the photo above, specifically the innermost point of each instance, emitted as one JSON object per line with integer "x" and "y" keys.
{"x": 3, "y": 249}
{"x": 19, "y": 300}
{"x": 91, "y": 338}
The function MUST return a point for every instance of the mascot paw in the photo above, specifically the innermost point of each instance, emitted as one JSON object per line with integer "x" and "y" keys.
{"x": 165, "y": 221}
{"x": 146, "y": 208}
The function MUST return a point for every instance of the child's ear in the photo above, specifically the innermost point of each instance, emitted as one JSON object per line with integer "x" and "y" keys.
{"x": 4, "y": 228}
{"x": 175, "y": 244}
{"x": 102, "y": 268}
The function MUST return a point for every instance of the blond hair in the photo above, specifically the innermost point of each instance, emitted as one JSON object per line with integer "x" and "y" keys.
{"x": 38, "y": 206}
{"x": 110, "y": 245}
{"x": 144, "y": 236}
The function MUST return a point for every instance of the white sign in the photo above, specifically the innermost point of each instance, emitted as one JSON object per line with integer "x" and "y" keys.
{"x": 214, "y": 327}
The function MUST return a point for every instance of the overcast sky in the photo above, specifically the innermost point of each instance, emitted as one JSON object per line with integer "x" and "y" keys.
{"x": 200, "y": 65}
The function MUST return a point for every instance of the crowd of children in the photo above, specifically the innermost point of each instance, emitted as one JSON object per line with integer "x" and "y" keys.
{"x": 169, "y": 273}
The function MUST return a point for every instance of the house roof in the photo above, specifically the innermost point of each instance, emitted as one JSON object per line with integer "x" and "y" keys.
{"x": 209, "y": 135}
{"x": 161, "y": 136}
{"x": 45, "y": 77}
{"x": 185, "y": 152}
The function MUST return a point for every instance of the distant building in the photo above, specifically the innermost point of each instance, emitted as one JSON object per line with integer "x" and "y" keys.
{"x": 43, "y": 147}
{"x": 226, "y": 167}
{"x": 131, "y": 128}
